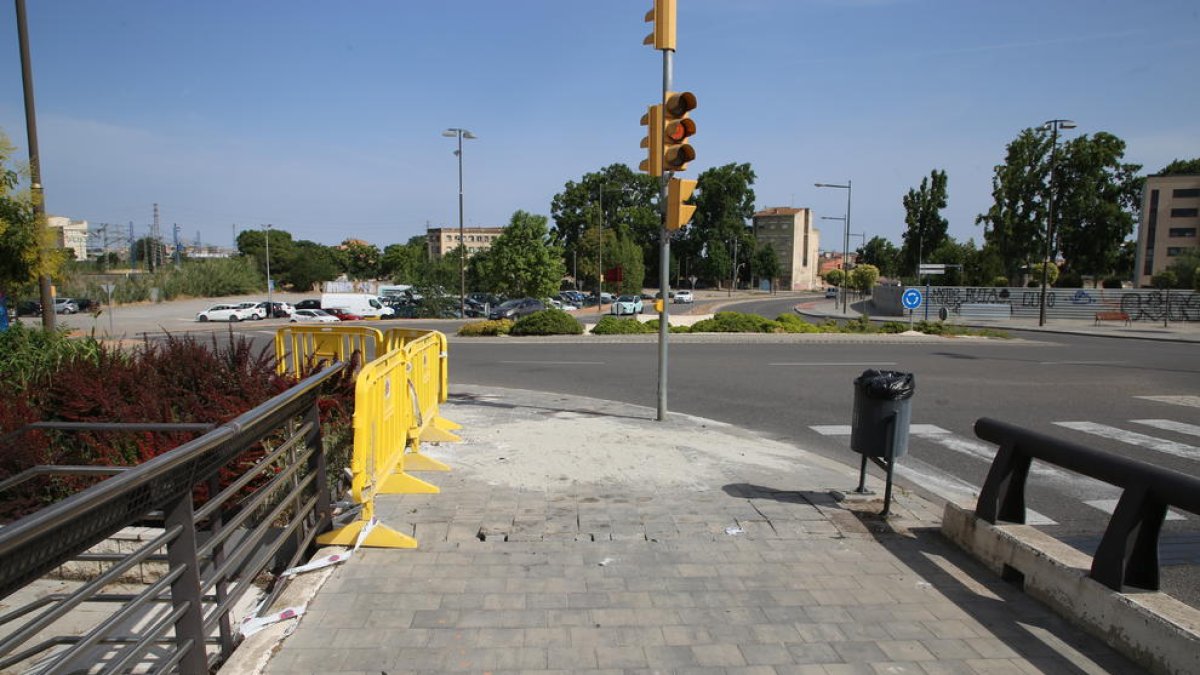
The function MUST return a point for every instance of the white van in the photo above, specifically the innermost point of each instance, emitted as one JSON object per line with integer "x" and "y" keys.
{"x": 362, "y": 304}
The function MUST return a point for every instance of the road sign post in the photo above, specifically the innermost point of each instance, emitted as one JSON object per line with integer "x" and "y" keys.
{"x": 911, "y": 299}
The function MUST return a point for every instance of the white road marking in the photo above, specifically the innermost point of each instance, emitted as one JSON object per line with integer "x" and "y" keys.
{"x": 1109, "y": 506}
{"x": 844, "y": 429}
{"x": 1192, "y": 401}
{"x": 1171, "y": 425}
{"x": 1082, "y": 363}
{"x": 557, "y": 363}
{"x": 829, "y": 363}
{"x": 1134, "y": 438}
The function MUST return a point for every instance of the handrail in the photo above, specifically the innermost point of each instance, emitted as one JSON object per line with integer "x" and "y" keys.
{"x": 1128, "y": 551}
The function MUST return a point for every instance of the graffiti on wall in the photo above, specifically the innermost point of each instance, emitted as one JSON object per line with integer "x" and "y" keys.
{"x": 1140, "y": 304}
{"x": 1159, "y": 305}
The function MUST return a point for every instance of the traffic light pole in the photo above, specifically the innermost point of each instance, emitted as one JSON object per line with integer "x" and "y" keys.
{"x": 664, "y": 255}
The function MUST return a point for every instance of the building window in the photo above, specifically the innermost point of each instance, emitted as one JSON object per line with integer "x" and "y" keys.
{"x": 1185, "y": 193}
{"x": 1185, "y": 213}
{"x": 1173, "y": 251}
{"x": 1182, "y": 232}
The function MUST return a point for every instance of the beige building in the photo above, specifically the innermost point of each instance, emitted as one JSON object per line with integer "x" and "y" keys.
{"x": 70, "y": 234}
{"x": 1170, "y": 221}
{"x": 790, "y": 232}
{"x": 442, "y": 240}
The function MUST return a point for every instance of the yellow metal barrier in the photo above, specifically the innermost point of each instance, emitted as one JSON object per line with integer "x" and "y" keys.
{"x": 428, "y": 383}
{"x": 382, "y": 420}
{"x": 297, "y": 346}
{"x": 398, "y": 392}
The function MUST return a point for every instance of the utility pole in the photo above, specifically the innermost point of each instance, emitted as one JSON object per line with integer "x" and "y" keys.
{"x": 176, "y": 243}
{"x": 45, "y": 285}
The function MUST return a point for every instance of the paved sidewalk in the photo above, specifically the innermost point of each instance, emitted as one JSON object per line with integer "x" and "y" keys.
{"x": 578, "y": 535}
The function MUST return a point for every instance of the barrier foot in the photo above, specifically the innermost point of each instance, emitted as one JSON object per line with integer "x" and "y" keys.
{"x": 380, "y": 536}
{"x": 401, "y": 483}
{"x": 415, "y": 461}
{"x": 434, "y": 433}
{"x": 443, "y": 423}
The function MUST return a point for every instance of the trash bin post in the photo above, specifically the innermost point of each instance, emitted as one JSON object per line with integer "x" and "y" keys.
{"x": 879, "y": 432}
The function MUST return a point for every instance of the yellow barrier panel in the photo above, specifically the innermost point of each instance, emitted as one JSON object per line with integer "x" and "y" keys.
{"x": 428, "y": 381}
{"x": 297, "y": 346}
{"x": 381, "y": 424}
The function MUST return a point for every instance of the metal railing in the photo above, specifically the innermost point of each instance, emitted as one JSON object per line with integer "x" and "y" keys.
{"x": 263, "y": 516}
{"x": 1128, "y": 551}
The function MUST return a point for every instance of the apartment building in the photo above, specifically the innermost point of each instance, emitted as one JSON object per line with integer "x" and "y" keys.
{"x": 72, "y": 234}
{"x": 1169, "y": 224}
{"x": 442, "y": 240}
{"x": 790, "y": 232}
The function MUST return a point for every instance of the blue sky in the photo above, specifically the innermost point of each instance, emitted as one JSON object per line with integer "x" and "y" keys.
{"x": 325, "y": 119}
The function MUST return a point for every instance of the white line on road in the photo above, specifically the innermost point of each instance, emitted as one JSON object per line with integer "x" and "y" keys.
{"x": 1109, "y": 506}
{"x": 844, "y": 429}
{"x": 1134, "y": 438}
{"x": 1171, "y": 425}
{"x": 1082, "y": 363}
{"x": 828, "y": 363}
{"x": 1192, "y": 401}
{"x": 557, "y": 363}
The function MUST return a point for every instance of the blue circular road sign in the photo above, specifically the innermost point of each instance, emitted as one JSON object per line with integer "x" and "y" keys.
{"x": 911, "y": 299}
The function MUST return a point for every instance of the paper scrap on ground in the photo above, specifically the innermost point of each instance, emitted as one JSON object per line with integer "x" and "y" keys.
{"x": 253, "y": 624}
{"x": 734, "y": 531}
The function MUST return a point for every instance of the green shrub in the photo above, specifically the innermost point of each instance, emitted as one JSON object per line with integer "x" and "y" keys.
{"x": 1111, "y": 282}
{"x": 860, "y": 324}
{"x": 736, "y": 322}
{"x": 547, "y": 322}
{"x": 486, "y": 328}
{"x": 893, "y": 327}
{"x": 1000, "y": 282}
{"x": 794, "y": 324}
{"x": 611, "y": 325}
{"x": 671, "y": 328}
{"x": 31, "y": 354}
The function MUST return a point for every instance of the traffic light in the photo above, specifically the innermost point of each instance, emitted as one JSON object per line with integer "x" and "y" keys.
{"x": 663, "y": 18}
{"x": 677, "y": 129}
{"x": 653, "y": 141}
{"x": 679, "y": 190}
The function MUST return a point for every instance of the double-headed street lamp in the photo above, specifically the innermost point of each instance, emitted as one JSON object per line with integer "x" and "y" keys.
{"x": 845, "y": 236}
{"x": 1052, "y": 126}
{"x": 462, "y": 239}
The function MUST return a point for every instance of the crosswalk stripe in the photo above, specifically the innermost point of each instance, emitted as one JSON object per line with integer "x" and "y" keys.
{"x": 1171, "y": 425}
{"x": 1109, "y": 506}
{"x": 1134, "y": 438}
{"x": 1191, "y": 401}
{"x": 845, "y": 429}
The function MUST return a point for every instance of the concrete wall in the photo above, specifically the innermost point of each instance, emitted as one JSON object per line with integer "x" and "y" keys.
{"x": 1142, "y": 304}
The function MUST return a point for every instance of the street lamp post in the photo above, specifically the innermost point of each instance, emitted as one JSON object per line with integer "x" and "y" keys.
{"x": 462, "y": 239}
{"x": 1052, "y": 126}
{"x": 846, "y": 235}
{"x": 267, "y": 237}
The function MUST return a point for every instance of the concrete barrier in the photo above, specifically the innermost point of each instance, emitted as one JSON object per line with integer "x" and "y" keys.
{"x": 1152, "y": 629}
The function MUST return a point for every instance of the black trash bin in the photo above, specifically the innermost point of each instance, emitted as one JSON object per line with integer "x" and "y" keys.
{"x": 882, "y": 412}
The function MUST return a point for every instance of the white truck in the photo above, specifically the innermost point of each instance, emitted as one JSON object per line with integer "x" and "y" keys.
{"x": 362, "y": 304}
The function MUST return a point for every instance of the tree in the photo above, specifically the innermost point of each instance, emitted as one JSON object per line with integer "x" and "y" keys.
{"x": 362, "y": 259}
{"x": 311, "y": 264}
{"x": 402, "y": 263}
{"x": 926, "y": 226}
{"x": 766, "y": 264}
{"x": 835, "y": 277}
{"x": 523, "y": 260}
{"x": 1186, "y": 268}
{"x": 881, "y": 253}
{"x": 1180, "y": 166}
{"x": 253, "y": 243}
{"x": 1096, "y": 195}
{"x": 724, "y": 202}
{"x": 863, "y": 278}
{"x": 630, "y": 208}
{"x": 1164, "y": 280}
{"x": 150, "y": 252}
{"x": 1014, "y": 226}
{"x": 26, "y": 248}
{"x": 1035, "y": 274}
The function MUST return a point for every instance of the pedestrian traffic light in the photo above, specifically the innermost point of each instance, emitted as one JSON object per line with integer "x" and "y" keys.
{"x": 653, "y": 141}
{"x": 677, "y": 129}
{"x": 663, "y": 18}
{"x": 679, "y": 190}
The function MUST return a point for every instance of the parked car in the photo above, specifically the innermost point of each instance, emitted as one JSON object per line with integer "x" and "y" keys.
{"x": 831, "y": 293}
{"x": 683, "y": 297}
{"x": 29, "y": 308}
{"x": 278, "y": 310}
{"x": 224, "y": 313}
{"x": 308, "y": 304}
{"x": 65, "y": 306}
{"x": 312, "y": 316}
{"x": 87, "y": 304}
{"x": 626, "y": 304}
{"x": 560, "y": 304}
{"x": 343, "y": 314}
{"x": 254, "y": 310}
{"x": 515, "y": 309}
